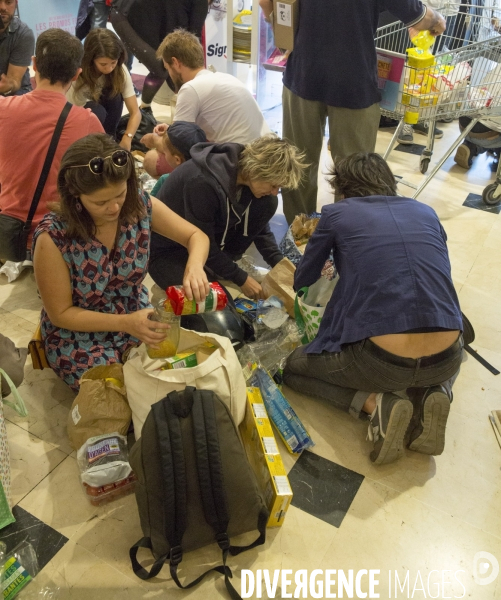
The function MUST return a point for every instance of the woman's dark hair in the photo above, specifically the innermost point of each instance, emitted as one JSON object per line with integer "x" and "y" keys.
{"x": 102, "y": 43}
{"x": 71, "y": 182}
{"x": 362, "y": 174}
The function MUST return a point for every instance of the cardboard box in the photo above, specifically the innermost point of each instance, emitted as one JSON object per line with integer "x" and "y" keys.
{"x": 285, "y": 20}
{"x": 264, "y": 457}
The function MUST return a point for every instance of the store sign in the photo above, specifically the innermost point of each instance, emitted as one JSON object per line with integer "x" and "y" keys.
{"x": 40, "y": 16}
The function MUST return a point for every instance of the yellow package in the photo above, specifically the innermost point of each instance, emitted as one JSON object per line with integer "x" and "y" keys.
{"x": 264, "y": 457}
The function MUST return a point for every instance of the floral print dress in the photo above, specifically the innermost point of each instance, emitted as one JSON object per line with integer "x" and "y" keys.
{"x": 102, "y": 281}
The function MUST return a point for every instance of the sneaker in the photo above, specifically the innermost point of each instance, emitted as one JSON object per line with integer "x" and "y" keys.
{"x": 387, "y": 428}
{"x": 428, "y": 435}
{"x": 406, "y": 135}
{"x": 422, "y": 128}
{"x": 387, "y": 122}
{"x": 464, "y": 154}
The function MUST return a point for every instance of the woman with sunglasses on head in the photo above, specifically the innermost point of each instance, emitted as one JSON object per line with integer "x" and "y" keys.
{"x": 105, "y": 84}
{"x": 91, "y": 255}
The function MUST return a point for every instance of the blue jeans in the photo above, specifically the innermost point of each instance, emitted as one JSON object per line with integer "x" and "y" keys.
{"x": 347, "y": 378}
{"x": 99, "y": 16}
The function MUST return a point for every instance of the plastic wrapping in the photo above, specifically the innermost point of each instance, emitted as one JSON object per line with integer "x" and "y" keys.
{"x": 104, "y": 459}
{"x": 19, "y": 568}
{"x": 248, "y": 264}
{"x": 271, "y": 350}
{"x": 12, "y": 270}
{"x": 283, "y": 416}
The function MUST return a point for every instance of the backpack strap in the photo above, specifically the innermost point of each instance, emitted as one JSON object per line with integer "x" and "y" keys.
{"x": 211, "y": 480}
{"x": 173, "y": 483}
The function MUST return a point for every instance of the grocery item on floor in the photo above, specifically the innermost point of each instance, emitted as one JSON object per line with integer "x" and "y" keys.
{"x": 178, "y": 303}
{"x": 100, "y": 406}
{"x": 280, "y": 282}
{"x": 310, "y": 306}
{"x": 168, "y": 346}
{"x": 265, "y": 459}
{"x": 283, "y": 416}
{"x": 226, "y": 322}
{"x": 104, "y": 466}
{"x": 248, "y": 264}
{"x": 219, "y": 371}
{"x": 6, "y": 516}
{"x": 270, "y": 352}
{"x": 19, "y": 567}
{"x": 303, "y": 227}
{"x": 195, "y": 485}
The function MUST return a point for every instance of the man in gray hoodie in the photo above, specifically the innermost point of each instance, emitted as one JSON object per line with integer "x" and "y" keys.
{"x": 230, "y": 192}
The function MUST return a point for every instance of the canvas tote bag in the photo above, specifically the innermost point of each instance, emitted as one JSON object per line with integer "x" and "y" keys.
{"x": 220, "y": 372}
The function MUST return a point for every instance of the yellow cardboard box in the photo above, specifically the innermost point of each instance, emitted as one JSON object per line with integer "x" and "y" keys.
{"x": 264, "y": 457}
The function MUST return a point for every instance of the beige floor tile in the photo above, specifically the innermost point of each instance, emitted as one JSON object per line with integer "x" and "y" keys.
{"x": 48, "y": 400}
{"x": 389, "y": 531}
{"x": 59, "y": 500}
{"x": 80, "y": 575}
{"x": 20, "y": 297}
{"x": 31, "y": 460}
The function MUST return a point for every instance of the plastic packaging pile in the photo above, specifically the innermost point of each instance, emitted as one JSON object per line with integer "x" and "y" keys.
{"x": 18, "y": 571}
{"x": 105, "y": 471}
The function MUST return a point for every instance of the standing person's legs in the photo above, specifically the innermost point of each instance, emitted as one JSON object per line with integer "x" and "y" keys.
{"x": 304, "y": 126}
{"x": 352, "y": 130}
{"x": 100, "y": 14}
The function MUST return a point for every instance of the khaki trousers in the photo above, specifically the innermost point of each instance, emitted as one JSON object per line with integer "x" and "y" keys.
{"x": 350, "y": 130}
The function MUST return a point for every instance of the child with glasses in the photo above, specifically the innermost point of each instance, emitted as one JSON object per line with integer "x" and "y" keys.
{"x": 90, "y": 259}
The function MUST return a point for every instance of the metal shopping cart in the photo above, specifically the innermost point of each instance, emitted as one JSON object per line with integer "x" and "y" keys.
{"x": 463, "y": 81}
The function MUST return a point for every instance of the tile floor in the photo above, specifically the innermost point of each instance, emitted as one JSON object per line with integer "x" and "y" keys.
{"x": 426, "y": 516}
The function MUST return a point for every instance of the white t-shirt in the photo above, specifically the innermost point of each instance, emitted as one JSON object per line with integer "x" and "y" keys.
{"x": 444, "y": 7}
{"x": 222, "y": 106}
{"x": 83, "y": 95}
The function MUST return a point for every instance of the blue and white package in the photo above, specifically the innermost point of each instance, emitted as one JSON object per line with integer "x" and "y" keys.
{"x": 287, "y": 423}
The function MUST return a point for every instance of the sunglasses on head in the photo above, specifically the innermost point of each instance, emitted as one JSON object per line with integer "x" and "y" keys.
{"x": 119, "y": 158}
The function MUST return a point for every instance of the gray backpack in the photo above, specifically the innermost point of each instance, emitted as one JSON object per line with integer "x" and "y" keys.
{"x": 195, "y": 485}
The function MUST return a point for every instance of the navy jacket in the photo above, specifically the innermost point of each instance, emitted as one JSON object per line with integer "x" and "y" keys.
{"x": 394, "y": 270}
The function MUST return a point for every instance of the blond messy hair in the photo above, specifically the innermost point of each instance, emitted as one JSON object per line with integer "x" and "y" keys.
{"x": 273, "y": 160}
{"x": 184, "y": 46}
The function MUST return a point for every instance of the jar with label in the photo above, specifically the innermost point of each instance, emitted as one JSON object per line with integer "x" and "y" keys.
{"x": 168, "y": 347}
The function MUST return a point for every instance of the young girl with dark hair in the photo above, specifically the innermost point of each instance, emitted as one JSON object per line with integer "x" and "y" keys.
{"x": 105, "y": 84}
{"x": 90, "y": 259}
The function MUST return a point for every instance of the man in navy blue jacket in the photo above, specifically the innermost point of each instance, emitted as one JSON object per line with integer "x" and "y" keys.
{"x": 392, "y": 329}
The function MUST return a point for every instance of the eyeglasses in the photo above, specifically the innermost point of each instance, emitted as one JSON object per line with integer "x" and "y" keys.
{"x": 119, "y": 158}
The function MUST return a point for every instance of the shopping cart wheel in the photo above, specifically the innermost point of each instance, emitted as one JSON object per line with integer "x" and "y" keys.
{"x": 492, "y": 194}
{"x": 424, "y": 161}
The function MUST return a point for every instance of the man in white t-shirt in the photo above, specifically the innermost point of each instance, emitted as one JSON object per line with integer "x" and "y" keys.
{"x": 217, "y": 102}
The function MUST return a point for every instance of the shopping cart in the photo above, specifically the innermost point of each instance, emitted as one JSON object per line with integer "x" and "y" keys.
{"x": 464, "y": 81}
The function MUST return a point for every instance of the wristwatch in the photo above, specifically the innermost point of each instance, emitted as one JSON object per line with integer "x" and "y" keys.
{"x": 129, "y": 135}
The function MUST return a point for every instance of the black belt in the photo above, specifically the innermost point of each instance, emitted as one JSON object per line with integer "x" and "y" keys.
{"x": 425, "y": 361}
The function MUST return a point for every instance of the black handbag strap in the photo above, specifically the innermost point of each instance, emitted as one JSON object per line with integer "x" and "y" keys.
{"x": 47, "y": 164}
